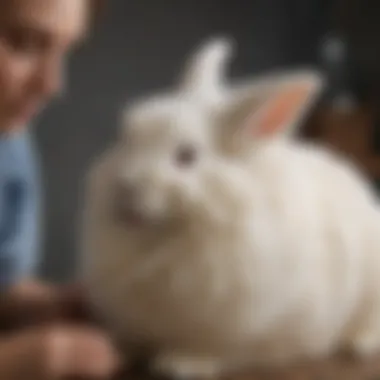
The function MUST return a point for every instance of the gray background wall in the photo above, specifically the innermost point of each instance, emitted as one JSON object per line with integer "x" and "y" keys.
{"x": 139, "y": 46}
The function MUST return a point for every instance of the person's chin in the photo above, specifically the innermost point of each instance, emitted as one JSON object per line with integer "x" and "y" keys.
{"x": 17, "y": 124}
{"x": 12, "y": 127}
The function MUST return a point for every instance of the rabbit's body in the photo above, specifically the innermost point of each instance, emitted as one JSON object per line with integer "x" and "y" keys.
{"x": 264, "y": 257}
{"x": 288, "y": 273}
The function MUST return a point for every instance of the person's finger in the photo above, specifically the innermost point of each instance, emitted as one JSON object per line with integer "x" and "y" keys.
{"x": 92, "y": 354}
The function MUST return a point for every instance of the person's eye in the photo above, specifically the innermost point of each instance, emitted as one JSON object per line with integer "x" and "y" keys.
{"x": 24, "y": 42}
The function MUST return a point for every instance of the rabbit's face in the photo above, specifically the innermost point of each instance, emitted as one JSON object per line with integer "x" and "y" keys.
{"x": 162, "y": 156}
{"x": 178, "y": 149}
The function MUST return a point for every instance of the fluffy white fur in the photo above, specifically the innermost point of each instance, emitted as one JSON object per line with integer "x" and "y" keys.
{"x": 265, "y": 251}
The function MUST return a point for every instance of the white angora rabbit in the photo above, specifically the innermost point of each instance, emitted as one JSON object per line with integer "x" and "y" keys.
{"x": 216, "y": 239}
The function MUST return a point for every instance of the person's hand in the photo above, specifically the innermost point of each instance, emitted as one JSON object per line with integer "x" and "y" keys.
{"x": 75, "y": 304}
{"x": 35, "y": 303}
{"x": 59, "y": 352}
{"x": 27, "y": 303}
{"x": 77, "y": 352}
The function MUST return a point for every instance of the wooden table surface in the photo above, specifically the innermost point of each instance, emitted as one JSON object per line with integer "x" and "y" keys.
{"x": 343, "y": 368}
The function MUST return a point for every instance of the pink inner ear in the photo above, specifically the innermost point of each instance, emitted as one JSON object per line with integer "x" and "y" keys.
{"x": 280, "y": 111}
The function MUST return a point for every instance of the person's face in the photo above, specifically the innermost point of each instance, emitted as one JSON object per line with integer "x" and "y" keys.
{"x": 35, "y": 38}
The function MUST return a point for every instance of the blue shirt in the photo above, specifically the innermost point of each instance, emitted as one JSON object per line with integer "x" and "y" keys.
{"x": 19, "y": 208}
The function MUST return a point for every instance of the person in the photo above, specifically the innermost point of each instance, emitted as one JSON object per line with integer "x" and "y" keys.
{"x": 40, "y": 338}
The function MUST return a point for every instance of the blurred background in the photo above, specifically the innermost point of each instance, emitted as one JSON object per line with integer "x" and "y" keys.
{"x": 139, "y": 46}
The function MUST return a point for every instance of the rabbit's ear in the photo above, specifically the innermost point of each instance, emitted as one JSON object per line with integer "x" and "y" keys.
{"x": 284, "y": 111}
{"x": 204, "y": 73}
{"x": 273, "y": 107}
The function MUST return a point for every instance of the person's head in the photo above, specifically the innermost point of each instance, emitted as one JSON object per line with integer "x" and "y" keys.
{"x": 35, "y": 38}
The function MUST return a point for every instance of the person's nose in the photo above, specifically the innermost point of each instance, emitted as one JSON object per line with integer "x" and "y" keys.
{"x": 50, "y": 79}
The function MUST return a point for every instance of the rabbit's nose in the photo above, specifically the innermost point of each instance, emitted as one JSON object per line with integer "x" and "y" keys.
{"x": 125, "y": 194}
{"x": 125, "y": 206}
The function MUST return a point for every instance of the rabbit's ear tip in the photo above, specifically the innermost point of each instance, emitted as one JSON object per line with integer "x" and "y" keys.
{"x": 221, "y": 43}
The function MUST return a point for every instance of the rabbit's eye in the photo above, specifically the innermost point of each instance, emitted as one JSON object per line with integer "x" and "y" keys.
{"x": 186, "y": 155}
